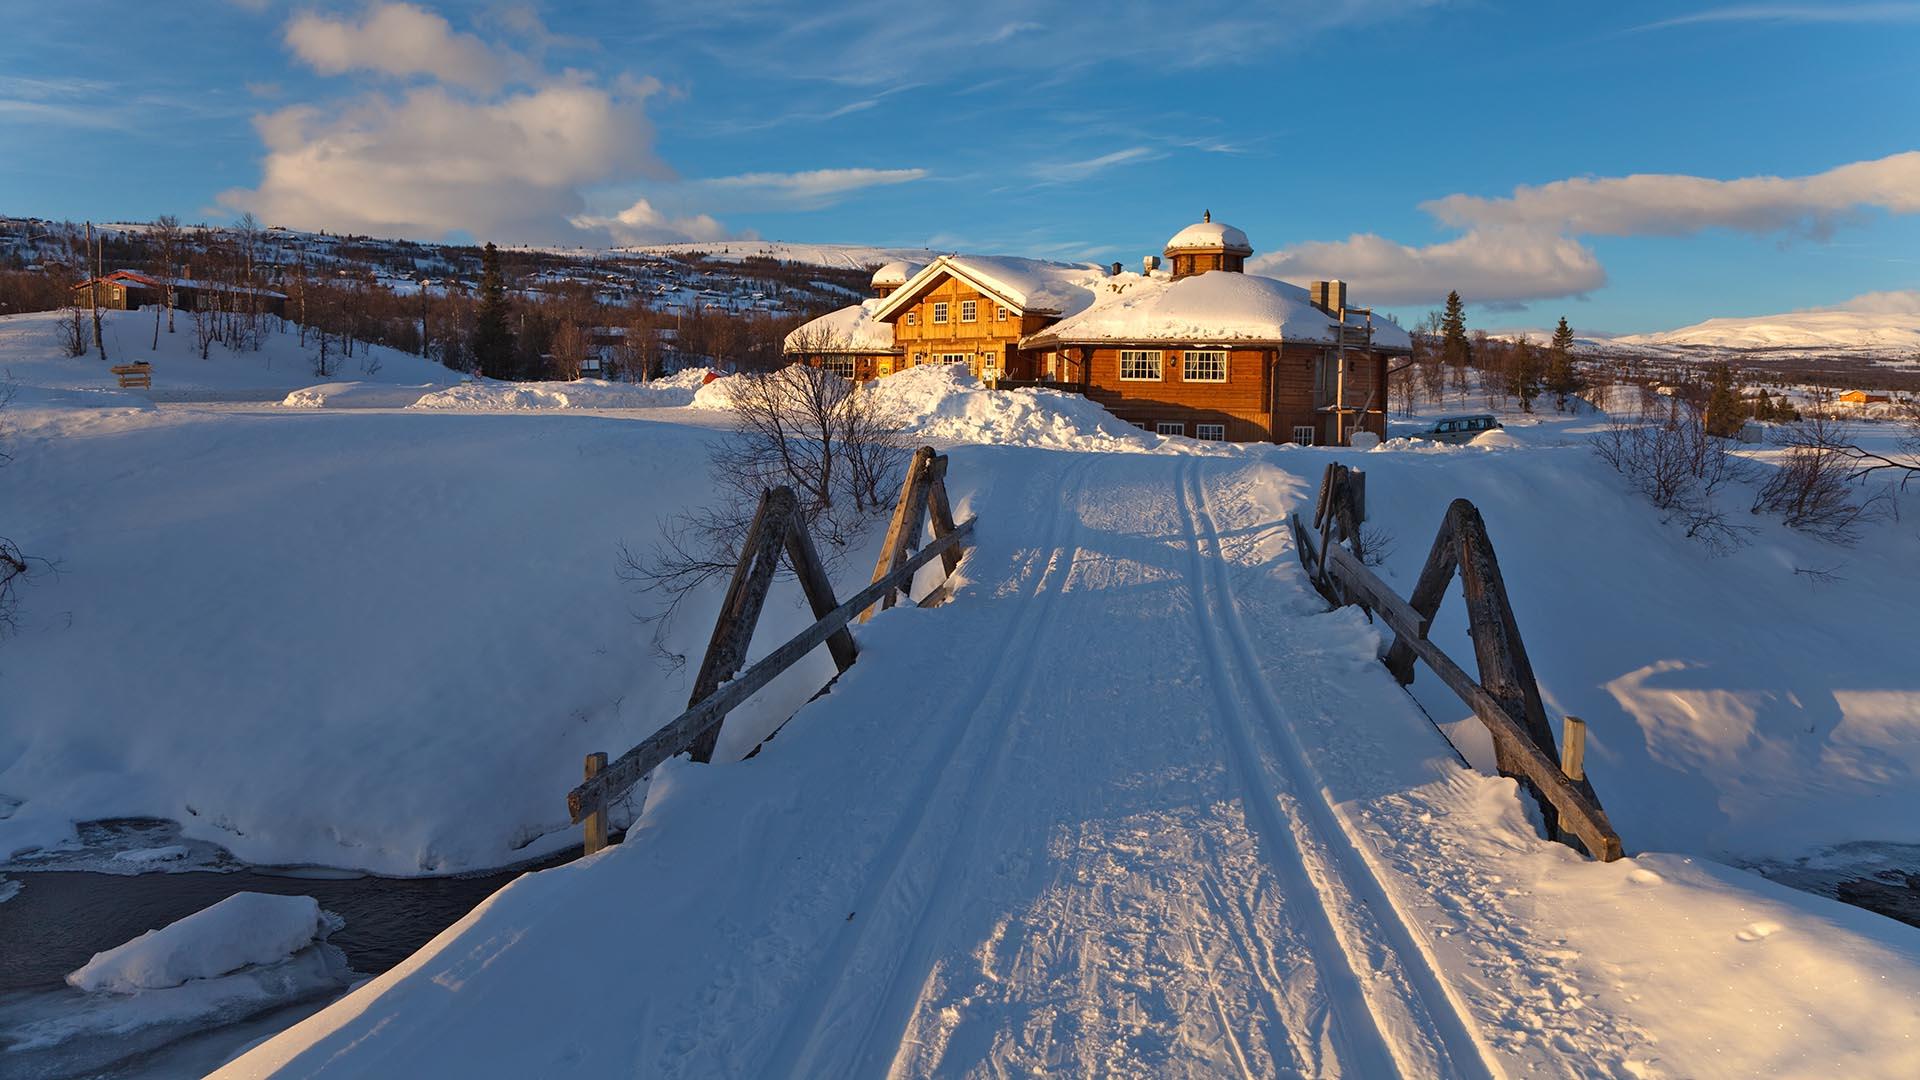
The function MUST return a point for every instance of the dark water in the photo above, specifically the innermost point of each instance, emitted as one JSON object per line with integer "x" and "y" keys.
{"x": 61, "y": 918}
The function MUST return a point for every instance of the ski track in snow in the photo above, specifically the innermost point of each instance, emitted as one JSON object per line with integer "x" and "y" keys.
{"x": 1227, "y": 924}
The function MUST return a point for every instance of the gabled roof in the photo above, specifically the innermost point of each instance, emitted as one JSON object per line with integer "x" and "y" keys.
{"x": 851, "y": 329}
{"x": 1211, "y": 308}
{"x": 1027, "y": 286}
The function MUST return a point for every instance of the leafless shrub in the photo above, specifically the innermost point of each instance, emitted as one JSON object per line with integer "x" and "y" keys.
{"x": 73, "y": 332}
{"x": 1669, "y": 457}
{"x": 1818, "y": 487}
{"x": 801, "y": 427}
{"x": 1376, "y": 542}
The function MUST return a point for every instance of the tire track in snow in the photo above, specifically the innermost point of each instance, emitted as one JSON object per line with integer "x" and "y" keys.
{"x": 1396, "y": 1012}
{"x": 795, "y": 1052}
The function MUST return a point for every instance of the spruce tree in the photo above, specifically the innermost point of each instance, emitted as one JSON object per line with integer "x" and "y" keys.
{"x": 1454, "y": 349}
{"x": 493, "y": 352}
{"x": 1563, "y": 379}
{"x": 1723, "y": 404}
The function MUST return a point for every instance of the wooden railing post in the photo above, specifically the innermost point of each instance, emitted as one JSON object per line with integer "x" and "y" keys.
{"x": 595, "y": 823}
{"x": 903, "y": 533}
{"x": 1573, "y": 756}
{"x": 760, "y": 556}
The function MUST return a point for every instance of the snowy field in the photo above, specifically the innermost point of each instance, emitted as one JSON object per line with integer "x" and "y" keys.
{"x": 1131, "y": 802}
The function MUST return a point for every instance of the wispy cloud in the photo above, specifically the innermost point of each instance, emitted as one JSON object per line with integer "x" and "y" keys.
{"x": 814, "y": 188}
{"x": 1792, "y": 13}
{"x": 1063, "y": 172}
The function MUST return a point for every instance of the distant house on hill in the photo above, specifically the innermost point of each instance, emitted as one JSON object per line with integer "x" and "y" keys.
{"x": 1201, "y": 348}
{"x": 1862, "y": 397}
{"x": 129, "y": 290}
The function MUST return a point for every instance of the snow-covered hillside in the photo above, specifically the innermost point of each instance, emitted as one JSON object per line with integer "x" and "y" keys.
{"x": 1879, "y": 323}
{"x": 837, "y": 256}
{"x": 30, "y": 356}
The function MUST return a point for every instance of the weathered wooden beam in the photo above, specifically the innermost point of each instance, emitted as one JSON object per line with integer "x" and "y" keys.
{"x": 596, "y": 822}
{"x": 678, "y": 734}
{"x": 1428, "y": 592}
{"x": 805, "y": 559}
{"x": 1576, "y": 808}
{"x": 941, "y": 511}
{"x": 1505, "y": 671}
{"x": 739, "y": 613}
{"x": 1376, "y": 593}
{"x": 912, "y": 504}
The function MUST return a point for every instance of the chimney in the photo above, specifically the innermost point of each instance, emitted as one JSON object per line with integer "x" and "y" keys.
{"x": 1114, "y": 270}
{"x": 1150, "y": 264}
{"x": 1328, "y": 296}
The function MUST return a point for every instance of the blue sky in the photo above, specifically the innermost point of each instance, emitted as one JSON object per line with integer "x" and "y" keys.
{"x": 1635, "y": 167}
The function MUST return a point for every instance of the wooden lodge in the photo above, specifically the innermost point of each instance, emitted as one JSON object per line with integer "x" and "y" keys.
{"x": 128, "y": 290}
{"x": 1200, "y": 348}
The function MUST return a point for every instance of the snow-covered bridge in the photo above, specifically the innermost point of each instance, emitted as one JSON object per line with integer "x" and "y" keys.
{"x": 1134, "y": 803}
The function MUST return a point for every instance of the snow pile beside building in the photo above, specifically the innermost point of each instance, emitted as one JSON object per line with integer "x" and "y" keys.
{"x": 946, "y": 401}
{"x": 244, "y": 930}
{"x": 488, "y": 396}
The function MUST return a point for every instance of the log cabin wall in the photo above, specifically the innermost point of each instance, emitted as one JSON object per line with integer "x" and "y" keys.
{"x": 1239, "y": 404}
{"x": 995, "y": 330}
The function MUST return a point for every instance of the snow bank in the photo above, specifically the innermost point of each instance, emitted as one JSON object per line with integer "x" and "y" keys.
{"x": 946, "y": 401}
{"x": 244, "y": 930}
{"x": 356, "y": 395}
{"x": 488, "y": 396}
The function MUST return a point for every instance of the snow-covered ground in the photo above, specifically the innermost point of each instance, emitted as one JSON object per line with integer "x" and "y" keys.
{"x": 1131, "y": 802}
{"x": 30, "y": 356}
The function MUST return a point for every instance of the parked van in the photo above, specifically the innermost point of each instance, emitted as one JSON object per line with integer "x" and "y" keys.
{"x": 1459, "y": 429}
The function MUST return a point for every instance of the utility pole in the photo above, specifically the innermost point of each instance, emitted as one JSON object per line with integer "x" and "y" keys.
{"x": 93, "y": 292}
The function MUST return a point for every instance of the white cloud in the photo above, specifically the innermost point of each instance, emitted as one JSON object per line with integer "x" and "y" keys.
{"x": 431, "y": 163}
{"x": 811, "y": 189}
{"x": 398, "y": 39}
{"x": 642, "y": 224}
{"x": 1062, "y": 172}
{"x": 1669, "y": 205}
{"x": 1494, "y": 268}
{"x": 1893, "y": 302}
{"x": 1794, "y": 13}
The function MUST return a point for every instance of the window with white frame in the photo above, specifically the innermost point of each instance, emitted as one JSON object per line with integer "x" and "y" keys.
{"x": 1210, "y": 432}
{"x": 940, "y": 312}
{"x": 969, "y": 310}
{"x": 1139, "y": 365}
{"x": 999, "y": 313}
{"x": 840, "y": 365}
{"x": 951, "y": 358}
{"x": 1204, "y": 365}
{"x": 1170, "y": 427}
{"x": 913, "y": 318}
{"x": 989, "y": 361}
{"x": 1303, "y": 434}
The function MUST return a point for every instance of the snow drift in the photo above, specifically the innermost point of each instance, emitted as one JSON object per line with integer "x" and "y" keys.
{"x": 244, "y": 930}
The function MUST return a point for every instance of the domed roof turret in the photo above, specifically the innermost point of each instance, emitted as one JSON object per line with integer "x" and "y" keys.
{"x": 1209, "y": 235}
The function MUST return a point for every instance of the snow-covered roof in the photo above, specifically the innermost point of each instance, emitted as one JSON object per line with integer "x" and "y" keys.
{"x": 1217, "y": 307}
{"x": 1033, "y": 286}
{"x": 851, "y": 329}
{"x": 1209, "y": 236}
{"x": 154, "y": 281}
{"x": 897, "y": 272}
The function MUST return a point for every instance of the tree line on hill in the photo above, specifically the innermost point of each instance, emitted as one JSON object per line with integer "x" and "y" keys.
{"x": 509, "y": 327}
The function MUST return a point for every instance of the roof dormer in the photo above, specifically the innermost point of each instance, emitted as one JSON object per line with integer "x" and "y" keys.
{"x": 1208, "y": 245}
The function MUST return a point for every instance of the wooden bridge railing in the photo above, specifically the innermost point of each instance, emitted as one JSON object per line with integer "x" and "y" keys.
{"x": 1506, "y": 698}
{"x": 720, "y": 686}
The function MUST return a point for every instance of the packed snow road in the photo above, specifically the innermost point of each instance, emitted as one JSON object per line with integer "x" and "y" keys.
{"x": 1132, "y": 804}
